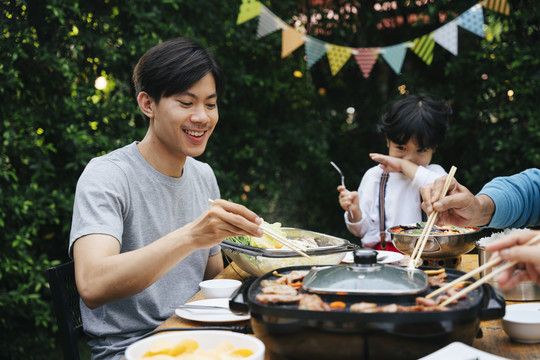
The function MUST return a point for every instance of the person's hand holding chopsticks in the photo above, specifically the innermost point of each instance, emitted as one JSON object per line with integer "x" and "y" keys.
{"x": 528, "y": 258}
{"x": 459, "y": 207}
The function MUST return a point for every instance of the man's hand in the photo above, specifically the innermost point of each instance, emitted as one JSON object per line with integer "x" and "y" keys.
{"x": 459, "y": 207}
{"x": 528, "y": 258}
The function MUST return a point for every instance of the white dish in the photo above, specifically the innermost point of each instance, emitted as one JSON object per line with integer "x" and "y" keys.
{"x": 534, "y": 306}
{"x": 383, "y": 257}
{"x": 219, "y": 288}
{"x": 459, "y": 350}
{"x": 207, "y": 340}
{"x": 522, "y": 323}
{"x": 211, "y": 315}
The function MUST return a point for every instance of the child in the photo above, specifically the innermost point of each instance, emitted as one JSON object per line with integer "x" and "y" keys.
{"x": 389, "y": 193}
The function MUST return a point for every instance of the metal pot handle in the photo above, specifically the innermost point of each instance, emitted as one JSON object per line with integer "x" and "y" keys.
{"x": 494, "y": 305}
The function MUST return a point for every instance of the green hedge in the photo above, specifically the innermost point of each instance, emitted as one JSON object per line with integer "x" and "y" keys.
{"x": 277, "y": 132}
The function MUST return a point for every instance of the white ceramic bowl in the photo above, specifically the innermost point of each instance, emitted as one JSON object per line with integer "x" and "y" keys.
{"x": 219, "y": 288}
{"x": 207, "y": 339}
{"x": 522, "y": 322}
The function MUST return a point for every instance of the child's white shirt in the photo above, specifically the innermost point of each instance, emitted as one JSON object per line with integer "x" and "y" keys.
{"x": 401, "y": 202}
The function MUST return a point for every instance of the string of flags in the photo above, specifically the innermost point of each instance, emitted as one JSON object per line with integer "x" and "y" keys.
{"x": 445, "y": 36}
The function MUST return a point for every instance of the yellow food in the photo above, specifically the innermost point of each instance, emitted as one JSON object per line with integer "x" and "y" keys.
{"x": 188, "y": 349}
{"x": 242, "y": 352}
{"x": 434, "y": 272}
{"x": 184, "y": 346}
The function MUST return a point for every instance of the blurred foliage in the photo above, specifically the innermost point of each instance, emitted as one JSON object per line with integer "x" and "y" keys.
{"x": 277, "y": 132}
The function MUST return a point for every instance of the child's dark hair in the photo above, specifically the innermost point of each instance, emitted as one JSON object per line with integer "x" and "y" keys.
{"x": 418, "y": 116}
{"x": 173, "y": 67}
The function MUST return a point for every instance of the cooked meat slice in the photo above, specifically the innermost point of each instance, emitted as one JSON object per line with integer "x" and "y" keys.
{"x": 454, "y": 290}
{"x": 388, "y": 308}
{"x": 438, "y": 280}
{"x": 312, "y": 302}
{"x": 362, "y": 306}
{"x": 427, "y": 302}
{"x": 279, "y": 289}
{"x": 293, "y": 276}
{"x": 277, "y": 298}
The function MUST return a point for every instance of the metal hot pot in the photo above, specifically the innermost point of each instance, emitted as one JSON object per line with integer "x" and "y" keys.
{"x": 293, "y": 333}
{"x": 442, "y": 250}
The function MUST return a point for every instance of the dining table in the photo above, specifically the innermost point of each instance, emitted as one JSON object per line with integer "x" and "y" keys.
{"x": 493, "y": 339}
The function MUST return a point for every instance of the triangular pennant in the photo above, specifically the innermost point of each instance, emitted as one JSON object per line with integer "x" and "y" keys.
{"x": 394, "y": 56}
{"x": 365, "y": 58}
{"x": 473, "y": 20}
{"x": 248, "y": 10}
{"x": 447, "y": 37}
{"x": 315, "y": 49}
{"x": 423, "y": 47}
{"x": 337, "y": 57}
{"x": 290, "y": 40}
{"x": 267, "y": 23}
{"x": 497, "y": 5}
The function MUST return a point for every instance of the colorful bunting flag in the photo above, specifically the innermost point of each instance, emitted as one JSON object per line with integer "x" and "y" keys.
{"x": 394, "y": 56}
{"x": 290, "y": 40}
{"x": 497, "y": 5}
{"x": 365, "y": 58}
{"x": 267, "y": 23}
{"x": 337, "y": 57}
{"x": 315, "y": 49}
{"x": 473, "y": 20}
{"x": 248, "y": 10}
{"x": 447, "y": 37}
{"x": 423, "y": 47}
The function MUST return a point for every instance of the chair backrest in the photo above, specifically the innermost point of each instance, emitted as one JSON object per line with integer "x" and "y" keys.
{"x": 65, "y": 298}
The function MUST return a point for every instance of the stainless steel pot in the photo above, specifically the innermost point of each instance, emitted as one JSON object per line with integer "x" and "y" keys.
{"x": 525, "y": 291}
{"x": 437, "y": 246}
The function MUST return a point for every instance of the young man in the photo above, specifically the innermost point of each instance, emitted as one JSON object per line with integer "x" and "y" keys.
{"x": 144, "y": 233}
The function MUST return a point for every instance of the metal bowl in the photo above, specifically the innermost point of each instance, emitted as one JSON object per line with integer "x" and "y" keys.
{"x": 437, "y": 246}
{"x": 259, "y": 261}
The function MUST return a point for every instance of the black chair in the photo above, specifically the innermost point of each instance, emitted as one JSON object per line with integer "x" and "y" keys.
{"x": 65, "y": 298}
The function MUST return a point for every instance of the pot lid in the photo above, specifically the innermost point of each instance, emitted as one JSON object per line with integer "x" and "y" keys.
{"x": 366, "y": 277}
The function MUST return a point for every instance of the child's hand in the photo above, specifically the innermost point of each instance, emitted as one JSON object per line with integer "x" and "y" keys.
{"x": 349, "y": 200}
{"x": 388, "y": 163}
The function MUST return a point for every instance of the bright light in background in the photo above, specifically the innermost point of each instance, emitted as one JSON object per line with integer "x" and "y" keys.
{"x": 510, "y": 94}
{"x": 297, "y": 73}
{"x": 350, "y": 115}
{"x": 100, "y": 83}
{"x": 402, "y": 89}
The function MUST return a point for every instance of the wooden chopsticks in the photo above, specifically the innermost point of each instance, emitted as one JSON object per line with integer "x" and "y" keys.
{"x": 493, "y": 262}
{"x": 270, "y": 232}
{"x": 422, "y": 240}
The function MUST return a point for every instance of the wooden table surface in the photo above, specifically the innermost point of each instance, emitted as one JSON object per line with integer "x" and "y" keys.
{"x": 494, "y": 339}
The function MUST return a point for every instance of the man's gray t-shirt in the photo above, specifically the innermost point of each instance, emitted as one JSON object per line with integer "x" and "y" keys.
{"x": 121, "y": 195}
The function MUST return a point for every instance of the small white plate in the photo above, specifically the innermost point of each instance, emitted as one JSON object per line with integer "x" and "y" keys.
{"x": 211, "y": 315}
{"x": 459, "y": 350}
{"x": 383, "y": 257}
{"x": 533, "y": 306}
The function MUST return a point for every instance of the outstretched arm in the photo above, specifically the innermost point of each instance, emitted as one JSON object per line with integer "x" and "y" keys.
{"x": 103, "y": 274}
